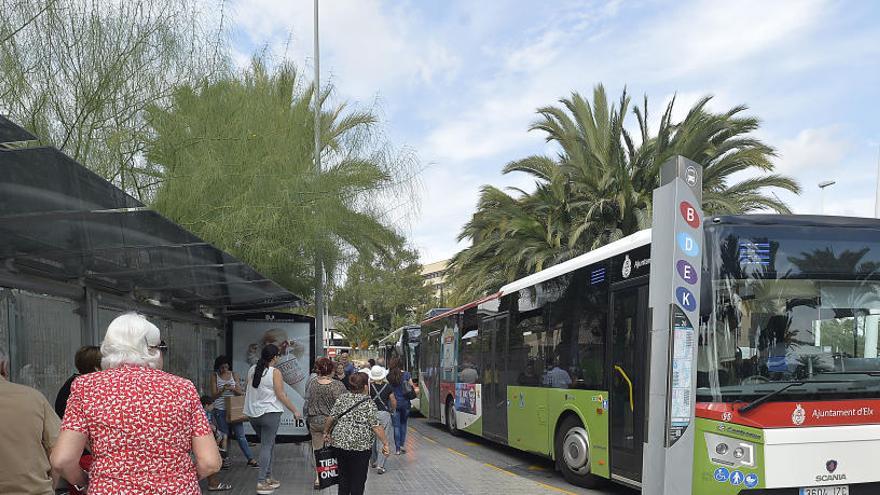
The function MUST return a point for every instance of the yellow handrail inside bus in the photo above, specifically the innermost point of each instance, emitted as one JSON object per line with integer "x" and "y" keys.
{"x": 629, "y": 383}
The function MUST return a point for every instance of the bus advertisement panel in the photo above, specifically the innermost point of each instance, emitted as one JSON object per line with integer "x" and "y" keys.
{"x": 787, "y": 364}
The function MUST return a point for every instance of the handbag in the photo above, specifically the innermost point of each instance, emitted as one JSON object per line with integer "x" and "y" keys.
{"x": 235, "y": 409}
{"x": 326, "y": 464}
{"x": 408, "y": 391}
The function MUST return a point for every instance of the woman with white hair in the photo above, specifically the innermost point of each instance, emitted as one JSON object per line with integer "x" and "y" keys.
{"x": 140, "y": 423}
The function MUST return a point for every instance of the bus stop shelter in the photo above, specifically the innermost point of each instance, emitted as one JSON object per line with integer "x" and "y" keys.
{"x": 76, "y": 251}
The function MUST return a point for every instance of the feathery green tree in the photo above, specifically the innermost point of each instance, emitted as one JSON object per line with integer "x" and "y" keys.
{"x": 80, "y": 75}
{"x": 238, "y": 170}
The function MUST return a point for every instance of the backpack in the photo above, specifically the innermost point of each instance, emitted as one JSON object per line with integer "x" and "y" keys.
{"x": 378, "y": 396}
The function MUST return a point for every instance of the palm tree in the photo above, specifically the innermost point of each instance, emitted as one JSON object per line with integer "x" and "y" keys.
{"x": 359, "y": 333}
{"x": 598, "y": 188}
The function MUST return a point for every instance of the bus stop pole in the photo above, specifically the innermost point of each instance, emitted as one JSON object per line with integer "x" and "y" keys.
{"x": 674, "y": 291}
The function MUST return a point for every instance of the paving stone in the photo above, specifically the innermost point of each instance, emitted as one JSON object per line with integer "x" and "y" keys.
{"x": 426, "y": 468}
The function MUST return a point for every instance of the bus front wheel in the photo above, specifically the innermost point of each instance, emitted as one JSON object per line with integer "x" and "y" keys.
{"x": 451, "y": 423}
{"x": 573, "y": 453}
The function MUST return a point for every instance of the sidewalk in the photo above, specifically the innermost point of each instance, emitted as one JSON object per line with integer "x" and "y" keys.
{"x": 427, "y": 467}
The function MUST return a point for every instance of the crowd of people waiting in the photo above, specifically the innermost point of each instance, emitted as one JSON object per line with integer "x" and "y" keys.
{"x": 361, "y": 413}
{"x": 121, "y": 425}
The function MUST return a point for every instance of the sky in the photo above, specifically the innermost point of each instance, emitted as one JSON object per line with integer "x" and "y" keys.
{"x": 458, "y": 82}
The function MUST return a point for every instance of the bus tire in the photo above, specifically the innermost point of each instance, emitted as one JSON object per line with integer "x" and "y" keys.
{"x": 573, "y": 454}
{"x": 451, "y": 423}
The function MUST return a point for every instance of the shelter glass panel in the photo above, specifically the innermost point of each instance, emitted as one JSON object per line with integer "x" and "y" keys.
{"x": 47, "y": 331}
{"x": 213, "y": 344}
{"x": 182, "y": 357}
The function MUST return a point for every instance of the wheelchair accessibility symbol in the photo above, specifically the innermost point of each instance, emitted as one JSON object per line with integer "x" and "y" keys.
{"x": 722, "y": 475}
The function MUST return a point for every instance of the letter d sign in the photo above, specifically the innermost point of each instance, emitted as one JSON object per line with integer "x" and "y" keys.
{"x": 687, "y": 244}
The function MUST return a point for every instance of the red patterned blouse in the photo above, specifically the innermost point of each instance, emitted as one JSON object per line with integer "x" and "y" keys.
{"x": 140, "y": 423}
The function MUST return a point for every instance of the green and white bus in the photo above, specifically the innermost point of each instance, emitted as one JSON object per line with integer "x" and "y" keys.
{"x": 788, "y": 374}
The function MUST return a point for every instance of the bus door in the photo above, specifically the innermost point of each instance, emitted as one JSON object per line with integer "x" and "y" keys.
{"x": 493, "y": 346}
{"x": 432, "y": 376}
{"x": 629, "y": 308}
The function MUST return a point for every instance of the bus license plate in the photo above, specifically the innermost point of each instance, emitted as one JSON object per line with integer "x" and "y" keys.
{"x": 825, "y": 490}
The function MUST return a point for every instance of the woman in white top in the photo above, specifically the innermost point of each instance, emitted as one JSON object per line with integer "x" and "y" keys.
{"x": 263, "y": 405}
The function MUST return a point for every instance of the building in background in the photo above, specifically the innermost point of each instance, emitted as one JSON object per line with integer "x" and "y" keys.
{"x": 435, "y": 278}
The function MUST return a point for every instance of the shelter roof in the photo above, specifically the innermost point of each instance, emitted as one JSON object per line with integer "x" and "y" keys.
{"x": 62, "y": 221}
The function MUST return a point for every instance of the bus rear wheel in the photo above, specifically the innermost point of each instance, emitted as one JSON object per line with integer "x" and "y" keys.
{"x": 451, "y": 423}
{"x": 572, "y": 447}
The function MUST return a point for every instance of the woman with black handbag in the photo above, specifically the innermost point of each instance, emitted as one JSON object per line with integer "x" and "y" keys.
{"x": 404, "y": 391}
{"x": 350, "y": 428}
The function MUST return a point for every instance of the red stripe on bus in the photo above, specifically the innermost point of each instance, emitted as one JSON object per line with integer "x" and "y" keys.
{"x": 462, "y": 308}
{"x": 795, "y": 414}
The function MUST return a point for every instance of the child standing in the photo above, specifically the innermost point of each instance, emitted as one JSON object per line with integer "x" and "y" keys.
{"x": 214, "y": 484}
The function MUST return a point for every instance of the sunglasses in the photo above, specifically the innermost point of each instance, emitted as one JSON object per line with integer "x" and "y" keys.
{"x": 163, "y": 347}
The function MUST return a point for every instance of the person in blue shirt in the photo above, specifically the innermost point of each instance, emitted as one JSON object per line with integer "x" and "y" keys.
{"x": 399, "y": 381}
{"x": 346, "y": 362}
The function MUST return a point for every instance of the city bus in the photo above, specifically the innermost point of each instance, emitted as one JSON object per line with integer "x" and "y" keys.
{"x": 404, "y": 343}
{"x": 788, "y": 374}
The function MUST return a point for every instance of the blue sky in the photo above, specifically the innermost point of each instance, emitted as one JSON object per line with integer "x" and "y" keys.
{"x": 458, "y": 81}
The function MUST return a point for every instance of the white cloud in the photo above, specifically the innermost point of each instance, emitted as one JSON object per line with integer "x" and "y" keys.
{"x": 813, "y": 151}
{"x": 710, "y": 35}
{"x": 370, "y": 48}
{"x": 536, "y": 54}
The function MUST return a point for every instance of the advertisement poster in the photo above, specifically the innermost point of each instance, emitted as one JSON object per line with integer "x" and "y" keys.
{"x": 466, "y": 398}
{"x": 293, "y": 338}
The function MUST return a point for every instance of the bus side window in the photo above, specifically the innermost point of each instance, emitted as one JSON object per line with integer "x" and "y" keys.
{"x": 578, "y": 325}
{"x": 469, "y": 362}
{"x": 526, "y": 355}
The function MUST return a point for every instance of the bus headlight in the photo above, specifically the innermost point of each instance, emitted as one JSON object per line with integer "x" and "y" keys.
{"x": 730, "y": 452}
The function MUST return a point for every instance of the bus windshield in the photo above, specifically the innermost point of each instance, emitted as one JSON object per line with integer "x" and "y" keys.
{"x": 788, "y": 306}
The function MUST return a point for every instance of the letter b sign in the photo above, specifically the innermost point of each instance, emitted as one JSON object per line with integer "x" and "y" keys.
{"x": 689, "y": 213}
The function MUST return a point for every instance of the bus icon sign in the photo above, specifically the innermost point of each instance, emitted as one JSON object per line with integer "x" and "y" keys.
{"x": 722, "y": 475}
{"x": 690, "y": 175}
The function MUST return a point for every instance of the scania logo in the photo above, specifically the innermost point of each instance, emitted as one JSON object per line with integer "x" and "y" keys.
{"x": 831, "y": 465}
{"x": 830, "y": 477}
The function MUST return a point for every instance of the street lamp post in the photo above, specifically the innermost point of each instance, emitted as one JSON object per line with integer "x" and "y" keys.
{"x": 319, "y": 268}
{"x": 822, "y": 186}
